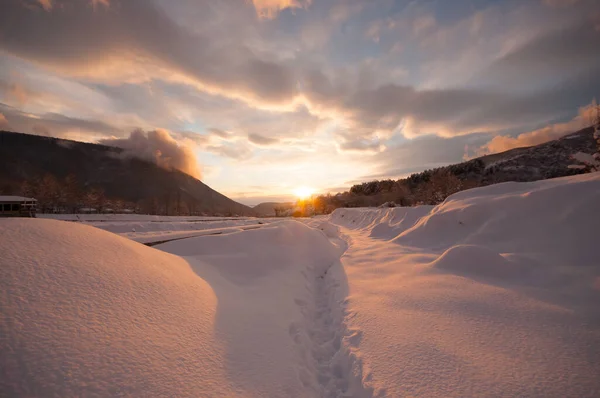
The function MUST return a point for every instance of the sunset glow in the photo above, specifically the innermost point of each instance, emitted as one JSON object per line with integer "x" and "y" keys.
{"x": 250, "y": 95}
{"x": 303, "y": 192}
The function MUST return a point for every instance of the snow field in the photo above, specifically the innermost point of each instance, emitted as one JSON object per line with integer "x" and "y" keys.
{"x": 492, "y": 293}
{"x": 135, "y": 218}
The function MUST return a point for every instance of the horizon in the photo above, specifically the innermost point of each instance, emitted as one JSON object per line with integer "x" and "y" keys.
{"x": 260, "y": 98}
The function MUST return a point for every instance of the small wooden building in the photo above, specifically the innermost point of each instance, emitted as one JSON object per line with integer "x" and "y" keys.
{"x": 17, "y": 206}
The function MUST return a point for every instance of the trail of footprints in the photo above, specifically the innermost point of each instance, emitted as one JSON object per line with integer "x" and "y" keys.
{"x": 327, "y": 367}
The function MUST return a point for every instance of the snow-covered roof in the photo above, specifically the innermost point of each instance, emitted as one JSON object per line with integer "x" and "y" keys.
{"x": 16, "y": 199}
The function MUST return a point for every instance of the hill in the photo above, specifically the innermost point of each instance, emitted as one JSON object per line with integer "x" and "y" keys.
{"x": 69, "y": 174}
{"x": 548, "y": 160}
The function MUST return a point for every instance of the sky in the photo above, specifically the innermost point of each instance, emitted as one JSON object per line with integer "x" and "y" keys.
{"x": 258, "y": 98}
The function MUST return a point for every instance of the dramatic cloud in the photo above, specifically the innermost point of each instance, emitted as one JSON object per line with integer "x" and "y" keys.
{"x": 256, "y": 85}
{"x": 557, "y": 55}
{"x": 123, "y": 43}
{"x": 56, "y": 125}
{"x": 160, "y": 147}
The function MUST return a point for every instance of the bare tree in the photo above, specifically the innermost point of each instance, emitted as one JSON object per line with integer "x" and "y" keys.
{"x": 590, "y": 162}
{"x": 71, "y": 194}
{"x": 48, "y": 193}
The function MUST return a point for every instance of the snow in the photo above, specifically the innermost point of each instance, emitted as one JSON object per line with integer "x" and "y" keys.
{"x": 492, "y": 293}
{"x": 88, "y": 313}
{"x": 134, "y": 217}
{"x": 151, "y": 229}
{"x": 148, "y": 232}
{"x": 4, "y": 198}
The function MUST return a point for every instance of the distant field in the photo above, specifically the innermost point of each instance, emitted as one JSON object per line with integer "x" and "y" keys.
{"x": 149, "y": 229}
{"x": 134, "y": 217}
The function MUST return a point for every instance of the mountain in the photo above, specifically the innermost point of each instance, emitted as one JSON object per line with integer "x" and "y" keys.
{"x": 271, "y": 209}
{"x": 35, "y": 160}
{"x": 548, "y": 160}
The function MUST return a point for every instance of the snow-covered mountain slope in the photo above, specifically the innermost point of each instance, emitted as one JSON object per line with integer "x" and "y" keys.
{"x": 494, "y": 292}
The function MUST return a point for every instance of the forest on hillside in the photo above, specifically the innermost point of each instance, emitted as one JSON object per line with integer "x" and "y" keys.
{"x": 567, "y": 156}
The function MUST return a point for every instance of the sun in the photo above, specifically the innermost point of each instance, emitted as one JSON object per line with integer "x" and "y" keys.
{"x": 303, "y": 193}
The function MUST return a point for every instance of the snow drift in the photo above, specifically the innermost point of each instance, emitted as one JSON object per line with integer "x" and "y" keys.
{"x": 88, "y": 313}
{"x": 494, "y": 292}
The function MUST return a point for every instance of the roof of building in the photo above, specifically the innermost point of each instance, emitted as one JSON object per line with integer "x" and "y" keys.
{"x": 11, "y": 199}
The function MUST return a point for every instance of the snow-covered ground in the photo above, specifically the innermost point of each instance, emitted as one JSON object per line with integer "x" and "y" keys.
{"x": 133, "y": 218}
{"x": 495, "y": 292}
{"x": 152, "y": 229}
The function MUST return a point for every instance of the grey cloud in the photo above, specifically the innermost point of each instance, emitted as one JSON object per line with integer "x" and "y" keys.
{"x": 560, "y": 70}
{"x": 198, "y": 139}
{"x": 75, "y": 35}
{"x": 553, "y": 56}
{"x": 451, "y": 112}
{"x": 57, "y": 125}
{"x": 424, "y": 153}
{"x": 361, "y": 145}
{"x": 220, "y": 133}
{"x": 261, "y": 140}
{"x": 233, "y": 151}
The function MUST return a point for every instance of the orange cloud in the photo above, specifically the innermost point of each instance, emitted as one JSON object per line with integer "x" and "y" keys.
{"x": 160, "y": 146}
{"x": 46, "y": 4}
{"x": 16, "y": 92}
{"x": 3, "y": 121}
{"x": 504, "y": 143}
{"x": 270, "y": 8}
{"x": 105, "y": 3}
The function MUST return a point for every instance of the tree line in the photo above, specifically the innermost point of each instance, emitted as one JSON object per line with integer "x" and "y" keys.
{"x": 68, "y": 195}
{"x": 430, "y": 187}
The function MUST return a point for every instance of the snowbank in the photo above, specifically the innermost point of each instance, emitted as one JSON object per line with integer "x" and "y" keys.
{"x": 494, "y": 292}
{"x": 88, "y": 313}
{"x": 553, "y": 221}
